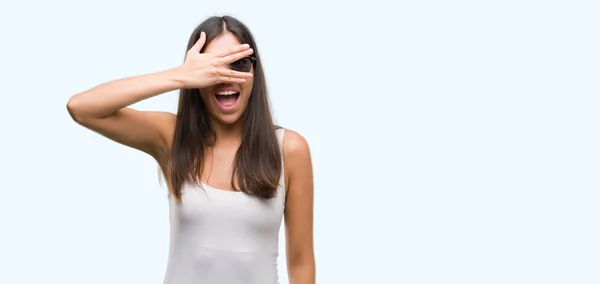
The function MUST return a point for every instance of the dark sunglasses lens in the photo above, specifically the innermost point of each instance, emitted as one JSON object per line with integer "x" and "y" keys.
{"x": 242, "y": 65}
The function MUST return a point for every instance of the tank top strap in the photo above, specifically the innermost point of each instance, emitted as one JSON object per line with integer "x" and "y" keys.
{"x": 280, "y": 132}
{"x": 281, "y": 191}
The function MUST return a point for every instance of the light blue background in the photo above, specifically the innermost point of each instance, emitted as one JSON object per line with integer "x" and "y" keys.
{"x": 452, "y": 141}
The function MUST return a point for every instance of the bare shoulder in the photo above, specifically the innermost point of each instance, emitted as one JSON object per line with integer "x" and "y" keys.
{"x": 297, "y": 165}
{"x": 295, "y": 146}
{"x": 165, "y": 116}
{"x": 166, "y": 123}
{"x": 164, "y": 120}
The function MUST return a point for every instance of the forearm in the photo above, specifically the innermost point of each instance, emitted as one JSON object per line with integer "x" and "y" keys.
{"x": 109, "y": 97}
{"x": 302, "y": 272}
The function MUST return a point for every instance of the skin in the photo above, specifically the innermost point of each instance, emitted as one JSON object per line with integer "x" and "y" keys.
{"x": 105, "y": 110}
{"x": 226, "y": 119}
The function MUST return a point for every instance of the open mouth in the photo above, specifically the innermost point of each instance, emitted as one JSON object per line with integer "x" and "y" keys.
{"x": 227, "y": 99}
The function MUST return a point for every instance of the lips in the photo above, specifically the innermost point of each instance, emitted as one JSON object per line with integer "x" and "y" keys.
{"x": 227, "y": 99}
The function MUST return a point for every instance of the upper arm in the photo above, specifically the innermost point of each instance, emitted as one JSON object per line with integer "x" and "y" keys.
{"x": 299, "y": 199}
{"x": 147, "y": 131}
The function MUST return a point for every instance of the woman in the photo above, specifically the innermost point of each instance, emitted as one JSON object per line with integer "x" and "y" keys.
{"x": 232, "y": 175}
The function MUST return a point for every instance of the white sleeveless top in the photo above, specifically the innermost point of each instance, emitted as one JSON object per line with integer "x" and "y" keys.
{"x": 221, "y": 236}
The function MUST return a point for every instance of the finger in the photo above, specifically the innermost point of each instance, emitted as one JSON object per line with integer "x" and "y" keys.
{"x": 236, "y": 56}
{"x": 234, "y": 50}
{"x": 199, "y": 43}
{"x": 229, "y": 79}
{"x": 235, "y": 74}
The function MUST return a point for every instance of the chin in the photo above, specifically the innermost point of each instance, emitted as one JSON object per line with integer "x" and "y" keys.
{"x": 229, "y": 119}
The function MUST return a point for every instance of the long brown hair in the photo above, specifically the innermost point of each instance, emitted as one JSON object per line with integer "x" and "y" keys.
{"x": 257, "y": 166}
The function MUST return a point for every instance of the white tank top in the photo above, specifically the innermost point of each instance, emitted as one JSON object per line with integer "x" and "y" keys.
{"x": 221, "y": 236}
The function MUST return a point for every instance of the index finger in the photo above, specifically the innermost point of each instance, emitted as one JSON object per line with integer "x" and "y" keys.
{"x": 234, "y": 50}
{"x": 236, "y": 56}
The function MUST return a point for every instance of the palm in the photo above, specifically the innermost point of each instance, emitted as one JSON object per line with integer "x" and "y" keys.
{"x": 205, "y": 69}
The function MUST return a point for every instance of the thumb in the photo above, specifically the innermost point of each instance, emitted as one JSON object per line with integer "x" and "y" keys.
{"x": 198, "y": 45}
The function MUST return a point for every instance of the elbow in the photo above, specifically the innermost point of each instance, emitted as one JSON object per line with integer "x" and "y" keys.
{"x": 76, "y": 110}
{"x": 301, "y": 267}
{"x": 302, "y": 274}
{"x": 307, "y": 262}
{"x": 301, "y": 255}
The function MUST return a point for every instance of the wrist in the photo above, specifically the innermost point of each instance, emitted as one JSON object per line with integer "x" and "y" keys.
{"x": 175, "y": 76}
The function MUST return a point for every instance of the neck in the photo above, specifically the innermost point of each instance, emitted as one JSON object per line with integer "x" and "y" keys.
{"x": 227, "y": 133}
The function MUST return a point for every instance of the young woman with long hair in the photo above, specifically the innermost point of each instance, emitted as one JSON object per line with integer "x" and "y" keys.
{"x": 232, "y": 174}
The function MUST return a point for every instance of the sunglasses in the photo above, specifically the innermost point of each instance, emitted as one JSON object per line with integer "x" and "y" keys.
{"x": 243, "y": 65}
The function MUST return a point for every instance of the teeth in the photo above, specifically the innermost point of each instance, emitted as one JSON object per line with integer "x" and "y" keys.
{"x": 226, "y": 93}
